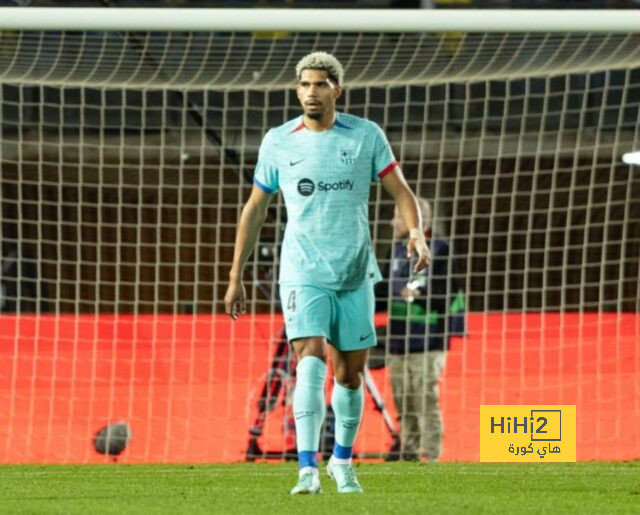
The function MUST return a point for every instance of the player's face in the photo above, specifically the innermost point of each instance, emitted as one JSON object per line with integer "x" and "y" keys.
{"x": 400, "y": 229}
{"x": 317, "y": 93}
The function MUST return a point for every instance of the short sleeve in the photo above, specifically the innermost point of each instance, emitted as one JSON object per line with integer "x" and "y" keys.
{"x": 266, "y": 172}
{"x": 383, "y": 159}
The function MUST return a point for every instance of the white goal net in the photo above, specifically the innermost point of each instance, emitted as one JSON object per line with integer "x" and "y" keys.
{"x": 126, "y": 157}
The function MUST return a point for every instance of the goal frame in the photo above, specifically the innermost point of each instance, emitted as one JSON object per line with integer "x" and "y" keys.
{"x": 319, "y": 20}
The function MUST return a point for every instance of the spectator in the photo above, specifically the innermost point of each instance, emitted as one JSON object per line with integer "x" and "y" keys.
{"x": 425, "y": 310}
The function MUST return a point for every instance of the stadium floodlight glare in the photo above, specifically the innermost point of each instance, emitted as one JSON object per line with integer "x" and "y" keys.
{"x": 631, "y": 158}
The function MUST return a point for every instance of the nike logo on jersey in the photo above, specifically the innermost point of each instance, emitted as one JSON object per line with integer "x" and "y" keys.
{"x": 363, "y": 338}
{"x": 293, "y": 163}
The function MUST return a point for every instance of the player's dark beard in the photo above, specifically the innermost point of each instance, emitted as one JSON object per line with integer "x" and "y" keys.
{"x": 314, "y": 116}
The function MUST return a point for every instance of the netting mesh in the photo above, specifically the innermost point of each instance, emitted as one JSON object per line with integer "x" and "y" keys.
{"x": 126, "y": 159}
{"x": 191, "y": 61}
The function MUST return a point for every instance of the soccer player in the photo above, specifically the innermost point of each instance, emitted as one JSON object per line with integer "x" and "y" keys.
{"x": 324, "y": 162}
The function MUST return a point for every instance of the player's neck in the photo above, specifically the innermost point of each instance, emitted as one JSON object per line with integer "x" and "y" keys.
{"x": 321, "y": 124}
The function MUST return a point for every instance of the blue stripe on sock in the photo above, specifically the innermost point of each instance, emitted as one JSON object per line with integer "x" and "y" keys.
{"x": 343, "y": 453}
{"x": 308, "y": 459}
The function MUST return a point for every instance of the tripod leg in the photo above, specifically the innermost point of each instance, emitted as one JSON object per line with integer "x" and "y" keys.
{"x": 253, "y": 451}
{"x": 268, "y": 396}
{"x": 379, "y": 403}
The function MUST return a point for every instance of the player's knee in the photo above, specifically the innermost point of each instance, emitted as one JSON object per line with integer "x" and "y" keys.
{"x": 348, "y": 378}
{"x": 316, "y": 347}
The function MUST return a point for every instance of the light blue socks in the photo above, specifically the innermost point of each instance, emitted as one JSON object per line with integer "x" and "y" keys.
{"x": 309, "y": 408}
{"x": 347, "y": 405}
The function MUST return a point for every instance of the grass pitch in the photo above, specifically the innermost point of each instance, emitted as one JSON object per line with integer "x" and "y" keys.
{"x": 263, "y": 488}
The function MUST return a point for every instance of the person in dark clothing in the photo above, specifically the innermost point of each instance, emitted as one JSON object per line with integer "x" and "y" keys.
{"x": 425, "y": 310}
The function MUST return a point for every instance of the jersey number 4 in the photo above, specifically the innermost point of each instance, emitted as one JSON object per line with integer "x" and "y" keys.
{"x": 291, "y": 302}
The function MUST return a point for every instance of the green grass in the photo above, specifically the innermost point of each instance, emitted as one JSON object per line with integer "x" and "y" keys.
{"x": 263, "y": 488}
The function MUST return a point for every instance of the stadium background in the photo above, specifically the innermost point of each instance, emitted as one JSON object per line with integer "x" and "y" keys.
{"x": 148, "y": 300}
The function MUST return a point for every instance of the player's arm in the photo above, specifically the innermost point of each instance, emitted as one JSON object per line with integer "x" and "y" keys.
{"x": 251, "y": 220}
{"x": 397, "y": 187}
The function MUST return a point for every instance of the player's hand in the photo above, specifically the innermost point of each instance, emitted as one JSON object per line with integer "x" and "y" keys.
{"x": 234, "y": 299}
{"x": 418, "y": 245}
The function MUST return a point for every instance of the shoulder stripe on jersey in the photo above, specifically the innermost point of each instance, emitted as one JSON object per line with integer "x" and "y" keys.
{"x": 340, "y": 124}
{"x": 298, "y": 128}
{"x": 263, "y": 187}
{"x": 388, "y": 169}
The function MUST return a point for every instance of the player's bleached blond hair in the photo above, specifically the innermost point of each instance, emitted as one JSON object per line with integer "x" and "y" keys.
{"x": 321, "y": 61}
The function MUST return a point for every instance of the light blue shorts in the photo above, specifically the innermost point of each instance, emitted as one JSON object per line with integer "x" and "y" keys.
{"x": 344, "y": 318}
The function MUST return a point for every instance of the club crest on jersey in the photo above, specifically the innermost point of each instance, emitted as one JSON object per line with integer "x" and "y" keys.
{"x": 347, "y": 156}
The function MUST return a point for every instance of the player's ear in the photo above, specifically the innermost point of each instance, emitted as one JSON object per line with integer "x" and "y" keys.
{"x": 338, "y": 91}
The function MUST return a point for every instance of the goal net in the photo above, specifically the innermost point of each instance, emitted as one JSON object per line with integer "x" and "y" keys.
{"x": 127, "y": 155}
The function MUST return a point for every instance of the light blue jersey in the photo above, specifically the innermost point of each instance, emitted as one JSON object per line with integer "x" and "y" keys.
{"x": 325, "y": 179}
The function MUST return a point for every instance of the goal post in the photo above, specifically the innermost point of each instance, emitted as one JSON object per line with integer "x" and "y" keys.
{"x": 320, "y": 20}
{"x": 128, "y": 139}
